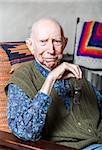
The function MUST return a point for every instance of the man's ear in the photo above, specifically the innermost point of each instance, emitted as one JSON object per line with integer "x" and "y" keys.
{"x": 29, "y": 45}
{"x": 65, "y": 41}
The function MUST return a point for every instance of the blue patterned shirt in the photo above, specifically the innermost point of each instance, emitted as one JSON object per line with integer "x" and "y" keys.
{"x": 26, "y": 117}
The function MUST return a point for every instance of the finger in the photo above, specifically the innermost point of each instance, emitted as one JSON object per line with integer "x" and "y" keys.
{"x": 68, "y": 76}
{"x": 74, "y": 70}
{"x": 80, "y": 72}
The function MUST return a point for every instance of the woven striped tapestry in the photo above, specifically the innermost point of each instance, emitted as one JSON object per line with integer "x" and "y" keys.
{"x": 88, "y": 50}
{"x": 17, "y": 52}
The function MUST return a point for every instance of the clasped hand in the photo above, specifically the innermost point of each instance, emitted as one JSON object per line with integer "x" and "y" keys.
{"x": 66, "y": 70}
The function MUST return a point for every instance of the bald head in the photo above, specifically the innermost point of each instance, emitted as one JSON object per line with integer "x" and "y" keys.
{"x": 44, "y": 21}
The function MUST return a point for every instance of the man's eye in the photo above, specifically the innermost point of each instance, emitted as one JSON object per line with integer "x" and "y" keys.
{"x": 58, "y": 42}
{"x": 43, "y": 42}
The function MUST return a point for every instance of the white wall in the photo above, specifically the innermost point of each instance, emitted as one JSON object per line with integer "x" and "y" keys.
{"x": 17, "y": 16}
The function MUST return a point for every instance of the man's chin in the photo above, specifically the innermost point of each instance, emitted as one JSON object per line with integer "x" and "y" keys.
{"x": 51, "y": 65}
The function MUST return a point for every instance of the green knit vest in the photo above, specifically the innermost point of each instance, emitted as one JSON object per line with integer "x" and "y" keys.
{"x": 79, "y": 127}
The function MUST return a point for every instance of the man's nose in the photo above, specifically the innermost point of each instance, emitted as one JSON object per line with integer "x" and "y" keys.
{"x": 51, "y": 47}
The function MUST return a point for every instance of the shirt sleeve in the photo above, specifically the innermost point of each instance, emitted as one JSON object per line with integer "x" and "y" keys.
{"x": 26, "y": 117}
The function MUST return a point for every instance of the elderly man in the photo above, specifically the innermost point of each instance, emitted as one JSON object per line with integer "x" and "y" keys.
{"x": 48, "y": 98}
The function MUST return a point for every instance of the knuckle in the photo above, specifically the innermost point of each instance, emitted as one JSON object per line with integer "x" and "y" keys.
{"x": 76, "y": 66}
{"x": 64, "y": 63}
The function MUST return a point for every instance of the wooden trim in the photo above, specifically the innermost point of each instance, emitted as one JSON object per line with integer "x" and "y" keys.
{"x": 9, "y": 140}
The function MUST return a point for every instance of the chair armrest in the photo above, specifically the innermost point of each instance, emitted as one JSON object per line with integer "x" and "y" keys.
{"x": 9, "y": 140}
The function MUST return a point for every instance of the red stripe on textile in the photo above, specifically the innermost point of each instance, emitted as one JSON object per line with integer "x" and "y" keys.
{"x": 84, "y": 42}
{"x": 18, "y": 60}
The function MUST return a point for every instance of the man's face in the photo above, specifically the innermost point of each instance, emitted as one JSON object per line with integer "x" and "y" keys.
{"x": 48, "y": 45}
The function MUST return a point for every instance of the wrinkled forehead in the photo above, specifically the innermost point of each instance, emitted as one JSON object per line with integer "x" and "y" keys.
{"x": 47, "y": 29}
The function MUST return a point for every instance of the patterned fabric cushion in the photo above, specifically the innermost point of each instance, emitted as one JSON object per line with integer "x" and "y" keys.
{"x": 11, "y": 54}
{"x": 88, "y": 49}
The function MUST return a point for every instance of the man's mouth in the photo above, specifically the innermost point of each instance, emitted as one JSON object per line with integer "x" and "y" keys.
{"x": 51, "y": 59}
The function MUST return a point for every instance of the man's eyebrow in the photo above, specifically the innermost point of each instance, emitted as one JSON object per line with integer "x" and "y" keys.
{"x": 57, "y": 38}
{"x": 44, "y": 40}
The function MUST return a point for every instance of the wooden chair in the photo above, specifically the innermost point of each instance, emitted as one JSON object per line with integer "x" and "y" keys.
{"x": 10, "y": 141}
{"x": 7, "y": 140}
